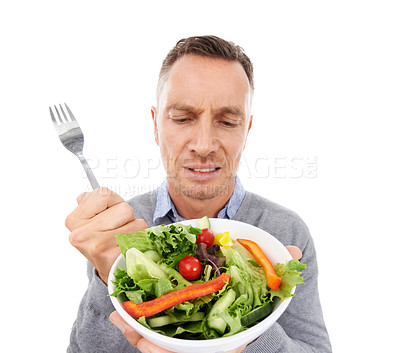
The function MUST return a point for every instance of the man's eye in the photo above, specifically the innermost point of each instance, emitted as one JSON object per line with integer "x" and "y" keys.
{"x": 181, "y": 120}
{"x": 228, "y": 123}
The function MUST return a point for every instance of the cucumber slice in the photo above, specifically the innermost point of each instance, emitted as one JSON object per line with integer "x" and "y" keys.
{"x": 204, "y": 223}
{"x": 168, "y": 320}
{"x": 256, "y": 314}
{"x": 214, "y": 319}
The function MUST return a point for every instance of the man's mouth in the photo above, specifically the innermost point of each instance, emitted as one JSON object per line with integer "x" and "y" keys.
{"x": 203, "y": 173}
{"x": 204, "y": 170}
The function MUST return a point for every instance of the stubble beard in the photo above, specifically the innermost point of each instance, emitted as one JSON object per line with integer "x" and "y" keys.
{"x": 200, "y": 190}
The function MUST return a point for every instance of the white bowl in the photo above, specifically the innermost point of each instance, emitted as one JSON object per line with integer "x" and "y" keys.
{"x": 272, "y": 248}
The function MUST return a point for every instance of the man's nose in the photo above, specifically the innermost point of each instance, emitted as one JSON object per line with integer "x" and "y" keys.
{"x": 204, "y": 141}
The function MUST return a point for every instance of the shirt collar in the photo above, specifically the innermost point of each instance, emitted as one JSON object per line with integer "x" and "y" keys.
{"x": 166, "y": 208}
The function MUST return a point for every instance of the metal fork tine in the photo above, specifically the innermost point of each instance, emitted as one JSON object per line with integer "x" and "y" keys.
{"x": 53, "y": 117}
{"x": 69, "y": 112}
{"x": 58, "y": 114}
{"x": 62, "y": 111}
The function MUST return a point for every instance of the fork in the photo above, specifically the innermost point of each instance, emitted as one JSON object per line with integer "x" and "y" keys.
{"x": 71, "y": 137}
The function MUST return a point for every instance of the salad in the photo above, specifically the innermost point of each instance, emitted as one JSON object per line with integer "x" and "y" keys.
{"x": 185, "y": 282}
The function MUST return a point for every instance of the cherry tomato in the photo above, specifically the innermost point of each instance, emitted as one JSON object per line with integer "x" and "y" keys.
{"x": 190, "y": 267}
{"x": 206, "y": 236}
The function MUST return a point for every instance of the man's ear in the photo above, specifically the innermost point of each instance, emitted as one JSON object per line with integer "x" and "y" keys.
{"x": 248, "y": 130}
{"x": 154, "y": 116}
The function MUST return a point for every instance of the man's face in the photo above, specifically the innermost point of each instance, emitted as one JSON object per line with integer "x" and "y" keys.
{"x": 201, "y": 125}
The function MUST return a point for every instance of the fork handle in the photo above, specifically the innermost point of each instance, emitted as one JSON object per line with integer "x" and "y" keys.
{"x": 89, "y": 173}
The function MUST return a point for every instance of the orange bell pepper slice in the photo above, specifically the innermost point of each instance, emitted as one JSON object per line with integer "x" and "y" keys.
{"x": 170, "y": 299}
{"x": 273, "y": 281}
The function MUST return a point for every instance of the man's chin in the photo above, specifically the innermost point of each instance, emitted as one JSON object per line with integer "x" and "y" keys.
{"x": 203, "y": 192}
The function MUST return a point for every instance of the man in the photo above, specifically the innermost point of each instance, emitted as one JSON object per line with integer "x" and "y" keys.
{"x": 201, "y": 125}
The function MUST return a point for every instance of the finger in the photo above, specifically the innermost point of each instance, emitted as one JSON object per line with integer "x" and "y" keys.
{"x": 105, "y": 242}
{"x": 81, "y": 197}
{"x": 238, "y": 350}
{"x": 113, "y": 217}
{"x": 132, "y": 227}
{"x": 295, "y": 252}
{"x": 146, "y": 346}
{"x": 96, "y": 244}
{"x": 96, "y": 202}
{"x": 131, "y": 335}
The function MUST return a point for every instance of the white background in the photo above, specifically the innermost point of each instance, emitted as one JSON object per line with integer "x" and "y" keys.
{"x": 324, "y": 142}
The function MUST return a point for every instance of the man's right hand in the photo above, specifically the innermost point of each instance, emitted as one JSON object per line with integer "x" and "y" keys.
{"x": 101, "y": 215}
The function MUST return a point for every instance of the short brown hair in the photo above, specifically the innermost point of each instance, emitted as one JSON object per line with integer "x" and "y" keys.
{"x": 210, "y": 47}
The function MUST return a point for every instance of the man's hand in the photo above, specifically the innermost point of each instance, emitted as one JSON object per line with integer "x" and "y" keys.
{"x": 295, "y": 252}
{"x": 101, "y": 215}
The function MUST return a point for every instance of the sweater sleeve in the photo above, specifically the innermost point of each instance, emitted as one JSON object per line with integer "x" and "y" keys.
{"x": 92, "y": 332}
{"x": 301, "y": 327}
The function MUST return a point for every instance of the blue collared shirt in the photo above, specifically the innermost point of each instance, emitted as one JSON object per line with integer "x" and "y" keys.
{"x": 165, "y": 206}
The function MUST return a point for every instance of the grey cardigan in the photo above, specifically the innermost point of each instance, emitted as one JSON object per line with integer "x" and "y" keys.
{"x": 301, "y": 327}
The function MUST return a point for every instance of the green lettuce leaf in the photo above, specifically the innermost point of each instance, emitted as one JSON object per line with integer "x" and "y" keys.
{"x": 139, "y": 240}
{"x": 136, "y": 296}
{"x": 125, "y": 285}
{"x": 247, "y": 279}
{"x": 175, "y": 277}
{"x": 139, "y": 266}
{"x": 290, "y": 273}
{"x": 173, "y": 242}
